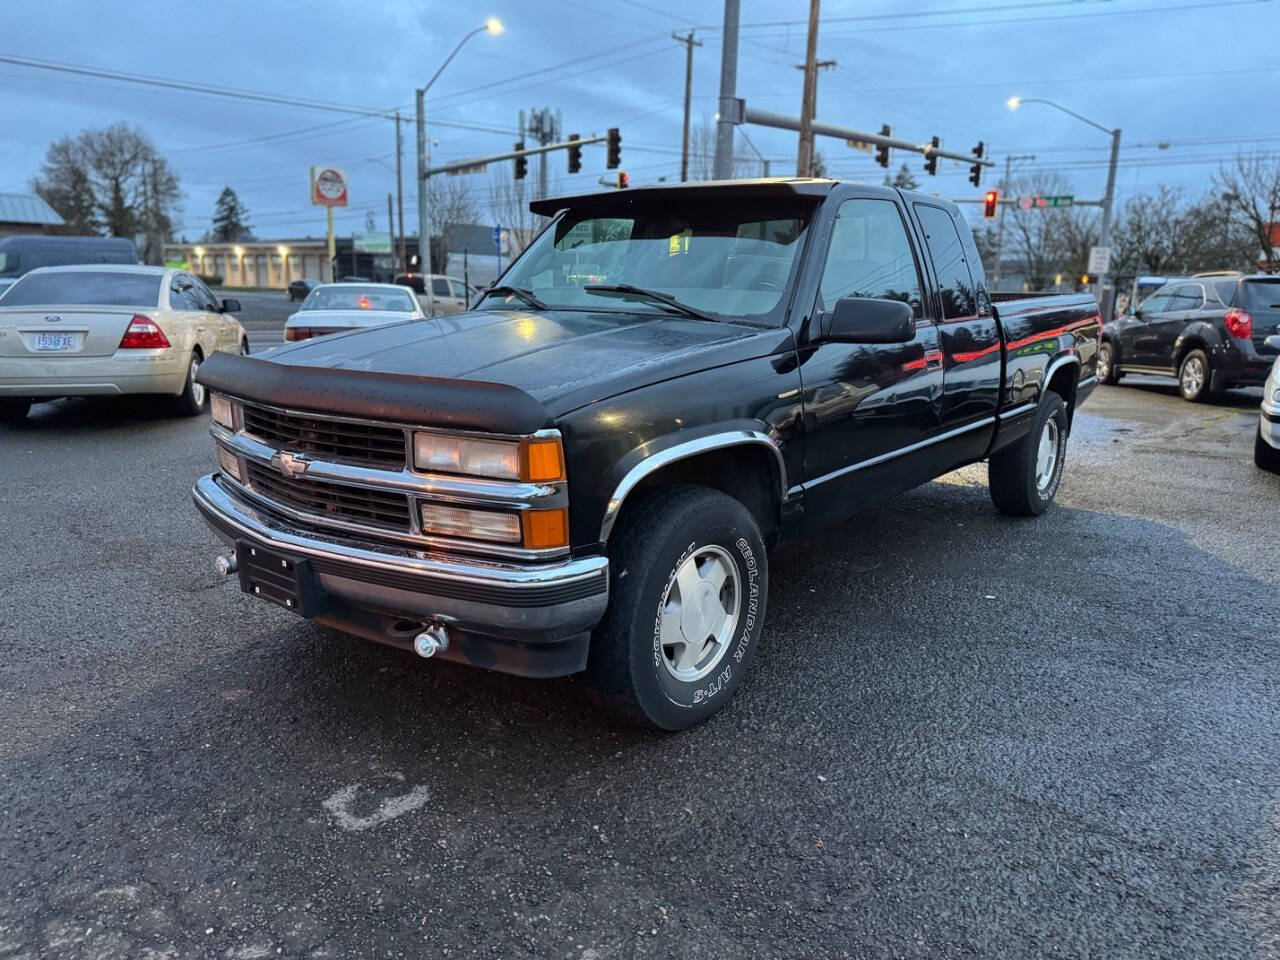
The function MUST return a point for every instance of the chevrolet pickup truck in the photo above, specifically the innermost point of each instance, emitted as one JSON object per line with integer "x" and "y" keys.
{"x": 585, "y": 472}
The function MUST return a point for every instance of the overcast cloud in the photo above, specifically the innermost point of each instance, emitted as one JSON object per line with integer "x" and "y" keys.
{"x": 1198, "y": 76}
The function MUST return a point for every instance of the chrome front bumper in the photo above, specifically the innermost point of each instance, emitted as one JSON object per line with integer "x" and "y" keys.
{"x": 530, "y": 619}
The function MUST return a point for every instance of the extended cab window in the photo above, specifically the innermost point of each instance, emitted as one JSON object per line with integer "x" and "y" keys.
{"x": 870, "y": 256}
{"x": 947, "y": 253}
{"x": 732, "y": 260}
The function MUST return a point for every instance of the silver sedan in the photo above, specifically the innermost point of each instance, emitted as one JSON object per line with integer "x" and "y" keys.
{"x": 340, "y": 307}
{"x": 107, "y": 329}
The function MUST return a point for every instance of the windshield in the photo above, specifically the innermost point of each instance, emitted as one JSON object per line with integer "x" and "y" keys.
{"x": 8, "y": 263}
{"x": 356, "y": 297}
{"x": 85, "y": 287}
{"x": 719, "y": 258}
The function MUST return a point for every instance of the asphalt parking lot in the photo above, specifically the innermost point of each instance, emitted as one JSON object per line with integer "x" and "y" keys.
{"x": 963, "y": 735}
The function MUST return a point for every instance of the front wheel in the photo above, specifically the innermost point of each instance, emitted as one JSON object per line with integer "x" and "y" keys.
{"x": 1025, "y": 476}
{"x": 1107, "y": 364}
{"x": 1265, "y": 456}
{"x": 689, "y": 579}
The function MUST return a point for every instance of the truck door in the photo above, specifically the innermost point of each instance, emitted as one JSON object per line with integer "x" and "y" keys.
{"x": 868, "y": 406}
{"x": 968, "y": 333}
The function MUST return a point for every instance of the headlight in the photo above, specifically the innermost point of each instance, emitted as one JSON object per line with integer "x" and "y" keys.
{"x": 1275, "y": 395}
{"x": 222, "y": 411}
{"x": 470, "y": 524}
{"x": 538, "y": 460}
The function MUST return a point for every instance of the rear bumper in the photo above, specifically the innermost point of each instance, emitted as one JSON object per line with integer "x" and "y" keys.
{"x": 1240, "y": 366}
{"x": 91, "y": 376}
{"x": 531, "y": 620}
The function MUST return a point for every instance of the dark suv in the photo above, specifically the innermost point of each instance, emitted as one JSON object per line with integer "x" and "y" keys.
{"x": 1208, "y": 331}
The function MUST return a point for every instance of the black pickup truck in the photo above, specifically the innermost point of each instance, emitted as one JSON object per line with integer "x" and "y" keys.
{"x": 584, "y": 473}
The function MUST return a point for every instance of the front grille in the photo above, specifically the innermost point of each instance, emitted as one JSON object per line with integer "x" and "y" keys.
{"x": 378, "y": 508}
{"x": 333, "y": 439}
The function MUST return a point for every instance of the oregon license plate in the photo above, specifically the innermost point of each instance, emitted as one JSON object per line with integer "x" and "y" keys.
{"x": 56, "y": 342}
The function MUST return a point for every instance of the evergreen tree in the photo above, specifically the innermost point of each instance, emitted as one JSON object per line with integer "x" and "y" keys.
{"x": 230, "y": 219}
{"x": 903, "y": 179}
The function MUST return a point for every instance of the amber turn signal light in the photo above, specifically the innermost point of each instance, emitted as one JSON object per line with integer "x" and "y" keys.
{"x": 546, "y": 528}
{"x": 543, "y": 461}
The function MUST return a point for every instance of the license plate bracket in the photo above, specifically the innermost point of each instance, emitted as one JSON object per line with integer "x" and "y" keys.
{"x": 280, "y": 578}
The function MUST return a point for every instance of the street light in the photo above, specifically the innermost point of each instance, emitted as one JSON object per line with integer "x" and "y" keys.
{"x": 491, "y": 26}
{"x": 1108, "y": 201}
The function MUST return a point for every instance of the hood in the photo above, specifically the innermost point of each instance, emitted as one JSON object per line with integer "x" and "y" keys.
{"x": 561, "y": 358}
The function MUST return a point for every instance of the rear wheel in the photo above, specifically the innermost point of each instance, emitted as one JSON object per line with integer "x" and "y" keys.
{"x": 1265, "y": 456}
{"x": 14, "y": 410}
{"x": 689, "y": 580}
{"x": 1024, "y": 477}
{"x": 1107, "y": 364}
{"x": 191, "y": 402}
{"x": 1194, "y": 376}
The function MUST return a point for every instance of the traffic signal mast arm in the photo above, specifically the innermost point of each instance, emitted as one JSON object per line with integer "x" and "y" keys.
{"x": 768, "y": 118}
{"x": 510, "y": 154}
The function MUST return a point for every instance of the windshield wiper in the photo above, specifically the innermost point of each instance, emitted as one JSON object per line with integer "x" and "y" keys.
{"x": 524, "y": 293}
{"x": 657, "y": 295}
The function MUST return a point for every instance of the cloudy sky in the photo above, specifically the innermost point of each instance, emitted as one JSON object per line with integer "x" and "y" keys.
{"x": 1189, "y": 82}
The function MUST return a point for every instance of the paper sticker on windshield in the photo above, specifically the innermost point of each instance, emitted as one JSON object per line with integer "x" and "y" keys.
{"x": 678, "y": 243}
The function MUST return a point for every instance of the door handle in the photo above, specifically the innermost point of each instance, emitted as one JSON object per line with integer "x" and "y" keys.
{"x": 932, "y": 359}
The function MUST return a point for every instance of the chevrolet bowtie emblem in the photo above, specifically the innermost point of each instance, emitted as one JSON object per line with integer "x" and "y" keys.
{"x": 289, "y": 464}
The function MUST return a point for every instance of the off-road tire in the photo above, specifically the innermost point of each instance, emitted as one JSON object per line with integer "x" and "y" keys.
{"x": 626, "y": 672}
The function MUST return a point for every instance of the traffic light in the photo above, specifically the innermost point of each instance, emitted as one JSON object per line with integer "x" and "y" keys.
{"x": 975, "y": 172}
{"x": 624, "y": 180}
{"x": 882, "y": 151}
{"x": 931, "y": 157}
{"x": 990, "y": 204}
{"x": 615, "y": 149}
{"x": 522, "y": 162}
{"x": 575, "y": 155}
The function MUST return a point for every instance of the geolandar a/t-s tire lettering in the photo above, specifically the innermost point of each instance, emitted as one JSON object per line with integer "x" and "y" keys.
{"x": 687, "y": 603}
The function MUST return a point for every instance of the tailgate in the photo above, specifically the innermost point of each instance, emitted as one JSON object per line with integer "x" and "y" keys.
{"x": 67, "y": 332}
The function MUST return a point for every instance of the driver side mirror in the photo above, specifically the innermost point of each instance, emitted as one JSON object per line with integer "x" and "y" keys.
{"x": 230, "y": 306}
{"x": 868, "y": 320}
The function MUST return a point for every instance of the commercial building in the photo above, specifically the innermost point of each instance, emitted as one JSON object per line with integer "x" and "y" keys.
{"x": 25, "y": 213}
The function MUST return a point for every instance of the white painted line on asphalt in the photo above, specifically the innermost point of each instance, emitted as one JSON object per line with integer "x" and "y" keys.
{"x": 338, "y": 806}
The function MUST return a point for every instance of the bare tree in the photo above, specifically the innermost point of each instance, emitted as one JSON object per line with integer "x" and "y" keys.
{"x": 451, "y": 204}
{"x": 112, "y": 181}
{"x": 702, "y": 154}
{"x": 1164, "y": 234}
{"x": 509, "y": 206}
{"x": 1251, "y": 188}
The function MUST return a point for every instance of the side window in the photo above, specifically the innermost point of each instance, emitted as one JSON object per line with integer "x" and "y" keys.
{"x": 1158, "y": 302}
{"x": 870, "y": 256}
{"x": 459, "y": 289}
{"x": 947, "y": 253}
{"x": 440, "y": 286}
{"x": 203, "y": 294}
{"x": 181, "y": 296}
{"x": 1189, "y": 296}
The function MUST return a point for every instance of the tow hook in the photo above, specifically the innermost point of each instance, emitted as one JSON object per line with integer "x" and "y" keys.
{"x": 226, "y": 565}
{"x": 433, "y": 639}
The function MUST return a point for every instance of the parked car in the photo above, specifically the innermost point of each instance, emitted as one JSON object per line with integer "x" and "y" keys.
{"x": 298, "y": 289}
{"x": 106, "y": 330}
{"x": 18, "y": 255}
{"x": 440, "y": 295}
{"x": 1266, "y": 446}
{"x": 1209, "y": 332}
{"x": 341, "y": 307}
{"x": 586, "y": 475}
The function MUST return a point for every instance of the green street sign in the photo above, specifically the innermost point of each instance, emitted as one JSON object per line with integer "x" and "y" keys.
{"x": 1063, "y": 200}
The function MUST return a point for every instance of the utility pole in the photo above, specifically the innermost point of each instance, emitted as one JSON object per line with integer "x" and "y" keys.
{"x": 544, "y": 126}
{"x": 1009, "y": 160}
{"x": 804, "y": 155}
{"x": 424, "y": 161}
{"x": 391, "y": 235}
{"x": 404, "y": 263}
{"x": 689, "y": 44}
{"x": 1107, "y": 302}
{"x": 728, "y": 117}
{"x": 818, "y": 65}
